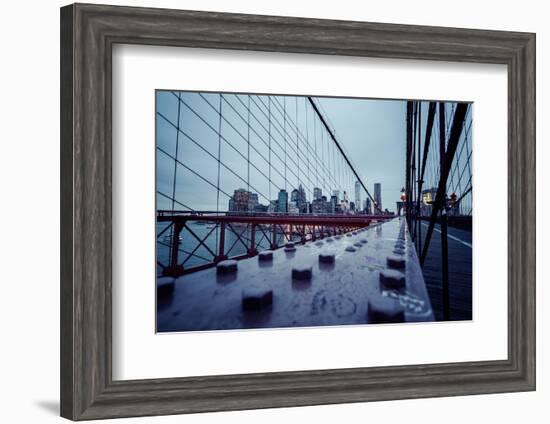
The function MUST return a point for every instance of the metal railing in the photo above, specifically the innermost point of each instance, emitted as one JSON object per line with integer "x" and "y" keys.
{"x": 438, "y": 176}
{"x": 217, "y": 235}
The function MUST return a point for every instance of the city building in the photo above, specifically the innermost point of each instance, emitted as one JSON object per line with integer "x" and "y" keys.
{"x": 282, "y": 201}
{"x": 317, "y": 193}
{"x": 301, "y": 199}
{"x": 337, "y": 194}
{"x": 273, "y": 206}
{"x": 293, "y": 208}
{"x": 321, "y": 206}
{"x": 368, "y": 207}
{"x": 358, "y": 194}
{"x": 317, "y": 206}
{"x": 377, "y": 197}
{"x": 245, "y": 201}
{"x": 345, "y": 202}
{"x": 252, "y": 201}
{"x": 260, "y": 208}
{"x": 240, "y": 202}
{"x": 333, "y": 203}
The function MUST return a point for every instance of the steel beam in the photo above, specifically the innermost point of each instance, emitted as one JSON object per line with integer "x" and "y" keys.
{"x": 335, "y": 221}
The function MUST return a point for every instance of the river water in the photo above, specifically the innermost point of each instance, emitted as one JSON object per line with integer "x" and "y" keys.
{"x": 201, "y": 254}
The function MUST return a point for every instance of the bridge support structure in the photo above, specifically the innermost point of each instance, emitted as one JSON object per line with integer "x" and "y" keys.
{"x": 251, "y": 232}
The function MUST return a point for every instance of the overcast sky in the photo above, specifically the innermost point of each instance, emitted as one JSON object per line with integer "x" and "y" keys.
{"x": 373, "y": 135}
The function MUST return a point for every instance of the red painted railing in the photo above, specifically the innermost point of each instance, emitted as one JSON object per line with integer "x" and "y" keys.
{"x": 274, "y": 228}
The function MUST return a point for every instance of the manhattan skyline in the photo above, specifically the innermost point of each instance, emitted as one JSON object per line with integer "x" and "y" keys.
{"x": 357, "y": 124}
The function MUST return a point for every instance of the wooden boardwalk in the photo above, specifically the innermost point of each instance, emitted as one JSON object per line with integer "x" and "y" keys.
{"x": 460, "y": 272}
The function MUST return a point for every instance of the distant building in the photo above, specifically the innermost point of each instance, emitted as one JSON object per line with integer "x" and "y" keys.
{"x": 293, "y": 208}
{"x": 368, "y": 207}
{"x": 260, "y": 208}
{"x": 337, "y": 194}
{"x": 273, "y": 206}
{"x": 317, "y": 193}
{"x": 320, "y": 206}
{"x": 345, "y": 202}
{"x": 244, "y": 201}
{"x": 282, "y": 201}
{"x": 333, "y": 203}
{"x": 377, "y": 197}
{"x": 358, "y": 194}
{"x": 252, "y": 201}
{"x": 352, "y": 206}
{"x": 301, "y": 199}
{"x": 317, "y": 206}
{"x": 240, "y": 202}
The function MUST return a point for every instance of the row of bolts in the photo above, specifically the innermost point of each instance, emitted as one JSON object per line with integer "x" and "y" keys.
{"x": 392, "y": 277}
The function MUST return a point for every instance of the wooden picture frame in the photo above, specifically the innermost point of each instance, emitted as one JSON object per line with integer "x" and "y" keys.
{"x": 88, "y": 33}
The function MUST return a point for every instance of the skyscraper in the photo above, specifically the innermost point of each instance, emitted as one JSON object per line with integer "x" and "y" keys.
{"x": 358, "y": 194}
{"x": 282, "y": 201}
{"x": 292, "y": 208}
{"x": 345, "y": 202}
{"x": 337, "y": 194}
{"x": 377, "y": 197}
{"x": 298, "y": 196}
{"x": 273, "y": 206}
{"x": 317, "y": 193}
{"x": 294, "y": 195}
{"x": 240, "y": 201}
{"x": 319, "y": 206}
{"x": 252, "y": 202}
{"x": 243, "y": 201}
{"x": 333, "y": 202}
{"x": 368, "y": 208}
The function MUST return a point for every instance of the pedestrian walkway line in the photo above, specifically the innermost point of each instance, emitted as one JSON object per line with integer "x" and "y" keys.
{"x": 451, "y": 237}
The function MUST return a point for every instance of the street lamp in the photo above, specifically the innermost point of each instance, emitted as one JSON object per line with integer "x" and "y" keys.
{"x": 403, "y": 198}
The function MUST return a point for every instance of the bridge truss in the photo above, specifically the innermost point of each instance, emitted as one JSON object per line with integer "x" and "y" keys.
{"x": 210, "y": 144}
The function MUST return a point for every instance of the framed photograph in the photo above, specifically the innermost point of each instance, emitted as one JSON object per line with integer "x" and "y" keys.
{"x": 265, "y": 211}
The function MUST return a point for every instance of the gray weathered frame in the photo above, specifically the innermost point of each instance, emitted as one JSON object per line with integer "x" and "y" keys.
{"x": 88, "y": 33}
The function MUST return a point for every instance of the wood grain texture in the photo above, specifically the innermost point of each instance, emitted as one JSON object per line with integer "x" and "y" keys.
{"x": 66, "y": 212}
{"x": 88, "y": 33}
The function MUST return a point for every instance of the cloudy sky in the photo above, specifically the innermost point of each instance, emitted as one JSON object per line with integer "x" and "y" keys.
{"x": 373, "y": 135}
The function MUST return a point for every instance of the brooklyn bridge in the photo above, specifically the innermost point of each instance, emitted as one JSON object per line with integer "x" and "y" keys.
{"x": 264, "y": 218}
